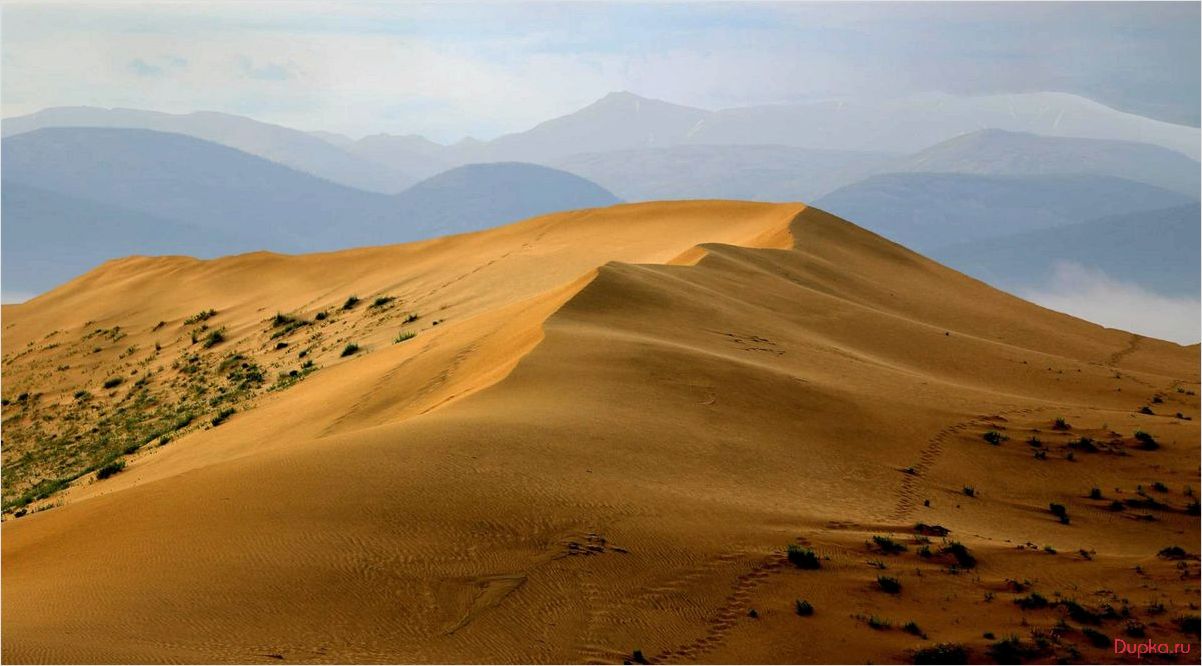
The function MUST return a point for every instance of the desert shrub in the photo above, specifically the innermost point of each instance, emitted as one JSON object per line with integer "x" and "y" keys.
{"x": 943, "y": 653}
{"x": 1095, "y": 637}
{"x": 637, "y": 657}
{"x": 1173, "y": 553}
{"x": 110, "y": 469}
{"x": 381, "y": 301}
{"x": 281, "y": 345}
{"x": 931, "y": 530}
{"x": 912, "y": 627}
{"x": 887, "y": 545}
{"x": 351, "y": 302}
{"x": 1060, "y": 511}
{"x": 1080, "y": 613}
{"x": 1061, "y": 424}
{"x": 1032, "y": 601}
{"x": 1095, "y": 493}
{"x": 288, "y": 328}
{"x": 994, "y": 437}
{"x": 1146, "y": 441}
{"x": 1193, "y": 508}
{"x": 321, "y": 316}
{"x": 1160, "y": 487}
{"x": 1085, "y": 444}
{"x": 877, "y": 622}
{"x": 970, "y": 491}
{"x": 203, "y": 315}
{"x": 223, "y": 416}
{"x": 281, "y": 319}
{"x": 403, "y": 336}
{"x": 214, "y": 338}
{"x": 1010, "y": 650}
{"x": 113, "y": 382}
{"x": 803, "y": 608}
{"x": 889, "y": 584}
{"x": 802, "y": 558}
{"x": 1188, "y": 624}
{"x": 964, "y": 559}
{"x": 411, "y": 317}
{"x": 1146, "y": 410}
{"x": 349, "y": 350}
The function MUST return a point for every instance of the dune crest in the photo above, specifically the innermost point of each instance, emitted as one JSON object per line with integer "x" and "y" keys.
{"x": 620, "y": 422}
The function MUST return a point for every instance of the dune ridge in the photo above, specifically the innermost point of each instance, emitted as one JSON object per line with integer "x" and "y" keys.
{"x": 622, "y": 419}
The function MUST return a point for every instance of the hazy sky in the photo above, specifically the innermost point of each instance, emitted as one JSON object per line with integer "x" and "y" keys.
{"x": 449, "y": 70}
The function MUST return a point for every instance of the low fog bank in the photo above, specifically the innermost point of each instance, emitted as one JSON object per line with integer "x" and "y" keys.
{"x": 1090, "y": 294}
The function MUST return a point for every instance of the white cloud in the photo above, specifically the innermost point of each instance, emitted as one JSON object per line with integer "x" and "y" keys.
{"x": 446, "y": 69}
{"x": 1090, "y": 294}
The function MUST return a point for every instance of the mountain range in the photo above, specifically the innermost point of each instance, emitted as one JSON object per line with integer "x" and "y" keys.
{"x": 932, "y": 171}
{"x": 75, "y": 197}
{"x": 623, "y": 121}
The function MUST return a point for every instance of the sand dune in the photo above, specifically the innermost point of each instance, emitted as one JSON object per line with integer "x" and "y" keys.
{"x": 620, "y": 421}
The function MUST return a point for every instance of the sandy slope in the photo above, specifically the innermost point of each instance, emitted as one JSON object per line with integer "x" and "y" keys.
{"x": 622, "y": 419}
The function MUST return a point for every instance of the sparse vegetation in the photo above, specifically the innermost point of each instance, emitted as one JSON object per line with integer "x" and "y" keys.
{"x": 889, "y": 584}
{"x": 994, "y": 437}
{"x": 203, "y": 315}
{"x": 887, "y": 545}
{"x": 1173, "y": 553}
{"x": 943, "y": 653}
{"x": 349, "y": 350}
{"x": 410, "y": 318}
{"x": 1188, "y": 624}
{"x": 223, "y": 416}
{"x": 1146, "y": 441}
{"x": 1060, "y": 511}
{"x": 403, "y": 336}
{"x": 214, "y": 338}
{"x": 1010, "y": 650}
{"x": 970, "y": 491}
{"x": 113, "y": 382}
{"x": 1095, "y": 637}
{"x": 802, "y": 558}
{"x": 912, "y": 627}
{"x": 110, "y": 469}
{"x": 1095, "y": 493}
{"x": 1146, "y": 410}
{"x": 803, "y": 608}
{"x": 1032, "y": 601}
{"x": 351, "y": 302}
{"x": 964, "y": 559}
{"x": 381, "y": 301}
{"x": 1061, "y": 424}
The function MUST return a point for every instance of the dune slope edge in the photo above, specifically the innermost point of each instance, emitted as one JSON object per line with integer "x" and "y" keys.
{"x": 607, "y": 445}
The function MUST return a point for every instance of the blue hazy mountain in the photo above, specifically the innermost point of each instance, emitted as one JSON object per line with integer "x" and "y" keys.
{"x": 924, "y": 211}
{"x": 196, "y": 183}
{"x": 756, "y": 173}
{"x": 157, "y": 192}
{"x": 477, "y": 196}
{"x": 315, "y": 155}
{"x": 998, "y": 152}
{"x": 1155, "y": 249}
